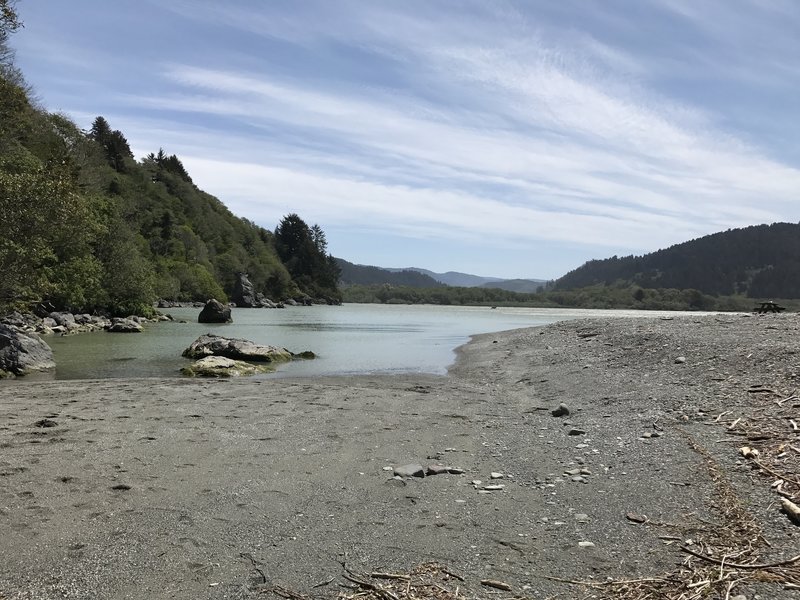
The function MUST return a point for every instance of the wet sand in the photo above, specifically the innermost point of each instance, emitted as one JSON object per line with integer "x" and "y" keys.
{"x": 225, "y": 489}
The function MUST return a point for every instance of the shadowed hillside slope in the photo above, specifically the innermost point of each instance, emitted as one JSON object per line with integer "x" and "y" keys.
{"x": 761, "y": 261}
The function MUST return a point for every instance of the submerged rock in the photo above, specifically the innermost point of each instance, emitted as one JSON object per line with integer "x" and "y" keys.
{"x": 219, "y": 366}
{"x": 22, "y": 353}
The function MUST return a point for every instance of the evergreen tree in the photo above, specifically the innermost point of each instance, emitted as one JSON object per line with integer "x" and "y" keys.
{"x": 302, "y": 249}
{"x": 117, "y": 151}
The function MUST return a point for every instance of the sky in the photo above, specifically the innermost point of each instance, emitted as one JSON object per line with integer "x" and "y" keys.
{"x": 502, "y": 138}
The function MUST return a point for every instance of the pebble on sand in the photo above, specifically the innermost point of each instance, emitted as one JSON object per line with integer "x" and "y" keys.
{"x": 412, "y": 470}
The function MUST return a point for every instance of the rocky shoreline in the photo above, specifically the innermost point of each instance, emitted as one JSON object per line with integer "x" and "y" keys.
{"x": 23, "y": 351}
{"x": 65, "y": 323}
{"x": 237, "y": 489}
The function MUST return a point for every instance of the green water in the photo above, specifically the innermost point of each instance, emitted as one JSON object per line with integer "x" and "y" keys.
{"x": 349, "y": 339}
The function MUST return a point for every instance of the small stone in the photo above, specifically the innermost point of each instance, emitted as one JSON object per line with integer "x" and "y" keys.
{"x": 636, "y": 518}
{"x": 647, "y": 435}
{"x": 436, "y": 470}
{"x": 561, "y": 411}
{"x": 412, "y": 470}
{"x": 476, "y": 482}
{"x": 388, "y": 468}
{"x": 585, "y": 472}
{"x": 576, "y": 431}
{"x": 494, "y": 487}
{"x": 586, "y": 544}
{"x": 460, "y": 501}
{"x": 495, "y": 475}
{"x": 578, "y": 479}
{"x": 582, "y": 518}
{"x": 656, "y": 434}
{"x": 456, "y": 470}
{"x": 573, "y": 472}
{"x": 680, "y": 360}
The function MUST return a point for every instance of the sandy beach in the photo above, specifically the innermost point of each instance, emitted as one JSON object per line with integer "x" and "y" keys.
{"x": 240, "y": 489}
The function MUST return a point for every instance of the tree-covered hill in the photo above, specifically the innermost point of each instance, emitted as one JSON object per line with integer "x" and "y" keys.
{"x": 523, "y": 286}
{"x": 352, "y": 274}
{"x": 86, "y": 227}
{"x": 762, "y": 261}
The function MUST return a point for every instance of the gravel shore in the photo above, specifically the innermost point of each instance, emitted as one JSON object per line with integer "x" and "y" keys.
{"x": 240, "y": 489}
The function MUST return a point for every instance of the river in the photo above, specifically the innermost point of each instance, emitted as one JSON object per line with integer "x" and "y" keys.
{"x": 349, "y": 339}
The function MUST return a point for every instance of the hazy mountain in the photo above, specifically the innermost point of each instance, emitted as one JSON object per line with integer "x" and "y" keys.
{"x": 761, "y": 261}
{"x": 525, "y": 286}
{"x": 352, "y": 274}
{"x": 456, "y": 279}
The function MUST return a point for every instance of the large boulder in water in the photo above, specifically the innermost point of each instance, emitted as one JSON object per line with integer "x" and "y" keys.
{"x": 215, "y": 312}
{"x": 215, "y": 345}
{"x": 22, "y": 353}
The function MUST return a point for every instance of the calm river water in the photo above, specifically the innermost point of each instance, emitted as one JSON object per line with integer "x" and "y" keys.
{"x": 349, "y": 339}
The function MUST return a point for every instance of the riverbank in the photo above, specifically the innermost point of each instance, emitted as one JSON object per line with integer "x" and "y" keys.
{"x": 227, "y": 489}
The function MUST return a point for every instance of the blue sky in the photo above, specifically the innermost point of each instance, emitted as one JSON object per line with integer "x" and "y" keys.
{"x": 501, "y": 138}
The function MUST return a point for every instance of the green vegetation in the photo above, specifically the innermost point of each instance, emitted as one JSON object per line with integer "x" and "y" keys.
{"x": 759, "y": 261}
{"x": 597, "y": 296}
{"x": 86, "y": 227}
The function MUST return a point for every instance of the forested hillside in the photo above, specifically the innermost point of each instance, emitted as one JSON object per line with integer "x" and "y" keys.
{"x": 365, "y": 275}
{"x": 762, "y": 261}
{"x": 523, "y": 286}
{"x": 86, "y": 227}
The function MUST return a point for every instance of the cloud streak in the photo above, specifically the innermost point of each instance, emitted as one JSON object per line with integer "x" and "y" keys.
{"x": 495, "y": 124}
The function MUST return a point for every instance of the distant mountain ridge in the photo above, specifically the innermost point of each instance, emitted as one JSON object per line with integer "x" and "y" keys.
{"x": 352, "y": 274}
{"x": 418, "y": 277}
{"x": 760, "y": 261}
{"x": 453, "y": 278}
{"x": 457, "y": 279}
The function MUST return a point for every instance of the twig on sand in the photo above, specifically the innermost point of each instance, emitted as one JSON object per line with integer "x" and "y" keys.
{"x": 377, "y": 575}
{"x": 498, "y": 585}
{"x": 284, "y": 593}
{"x": 372, "y": 587}
{"x": 249, "y": 557}
{"x": 601, "y": 584}
{"x": 757, "y": 566}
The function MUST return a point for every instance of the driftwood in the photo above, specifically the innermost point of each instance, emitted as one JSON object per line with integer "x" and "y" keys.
{"x": 732, "y": 565}
{"x": 500, "y": 585}
{"x": 791, "y": 509}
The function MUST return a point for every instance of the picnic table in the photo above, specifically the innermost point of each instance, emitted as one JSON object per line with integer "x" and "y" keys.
{"x": 768, "y": 307}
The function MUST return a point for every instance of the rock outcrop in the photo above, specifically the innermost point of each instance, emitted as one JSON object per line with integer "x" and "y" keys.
{"x": 120, "y": 325}
{"x": 215, "y": 312}
{"x": 22, "y": 353}
{"x": 219, "y": 366}
{"x": 237, "y": 349}
{"x": 245, "y": 294}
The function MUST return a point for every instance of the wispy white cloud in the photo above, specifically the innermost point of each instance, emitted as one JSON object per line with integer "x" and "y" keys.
{"x": 501, "y": 122}
{"x": 598, "y": 145}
